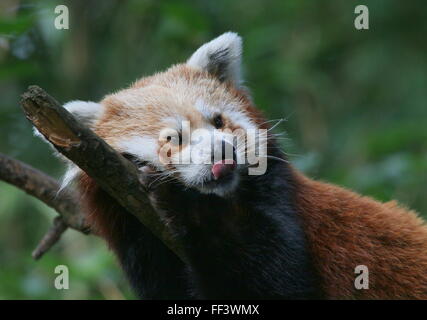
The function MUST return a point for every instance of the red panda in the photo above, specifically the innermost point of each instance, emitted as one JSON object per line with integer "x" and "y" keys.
{"x": 272, "y": 235}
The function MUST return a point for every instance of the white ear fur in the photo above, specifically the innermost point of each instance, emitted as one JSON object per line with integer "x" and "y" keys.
{"x": 220, "y": 57}
{"x": 86, "y": 112}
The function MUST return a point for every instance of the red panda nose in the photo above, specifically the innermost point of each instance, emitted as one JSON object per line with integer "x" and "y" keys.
{"x": 222, "y": 168}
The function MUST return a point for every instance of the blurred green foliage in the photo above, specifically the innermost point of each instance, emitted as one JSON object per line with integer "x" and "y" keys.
{"x": 355, "y": 102}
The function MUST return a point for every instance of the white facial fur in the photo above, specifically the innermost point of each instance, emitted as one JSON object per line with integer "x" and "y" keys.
{"x": 196, "y": 160}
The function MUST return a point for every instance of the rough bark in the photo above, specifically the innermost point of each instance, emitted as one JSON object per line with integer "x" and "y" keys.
{"x": 46, "y": 189}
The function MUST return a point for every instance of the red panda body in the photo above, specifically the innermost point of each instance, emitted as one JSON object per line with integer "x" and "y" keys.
{"x": 345, "y": 230}
{"x": 275, "y": 235}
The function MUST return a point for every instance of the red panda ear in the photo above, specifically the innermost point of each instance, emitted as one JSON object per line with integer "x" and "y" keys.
{"x": 86, "y": 112}
{"x": 221, "y": 57}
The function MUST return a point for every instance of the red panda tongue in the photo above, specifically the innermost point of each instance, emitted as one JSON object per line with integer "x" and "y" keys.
{"x": 222, "y": 168}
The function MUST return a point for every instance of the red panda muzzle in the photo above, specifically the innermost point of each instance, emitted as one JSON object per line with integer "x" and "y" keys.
{"x": 223, "y": 168}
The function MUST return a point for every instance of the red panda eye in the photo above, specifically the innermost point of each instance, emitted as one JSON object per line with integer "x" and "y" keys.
{"x": 218, "y": 122}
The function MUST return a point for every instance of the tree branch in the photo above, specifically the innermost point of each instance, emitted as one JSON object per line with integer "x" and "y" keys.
{"x": 44, "y": 188}
{"x": 50, "y": 238}
{"x": 115, "y": 174}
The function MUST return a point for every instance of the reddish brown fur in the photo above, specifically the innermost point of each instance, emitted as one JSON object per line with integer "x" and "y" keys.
{"x": 103, "y": 213}
{"x": 345, "y": 229}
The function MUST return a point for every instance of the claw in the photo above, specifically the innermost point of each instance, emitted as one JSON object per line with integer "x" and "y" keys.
{"x": 146, "y": 176}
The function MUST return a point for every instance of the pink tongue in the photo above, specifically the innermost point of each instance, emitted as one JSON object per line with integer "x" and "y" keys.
{"x": 220, "y": 168}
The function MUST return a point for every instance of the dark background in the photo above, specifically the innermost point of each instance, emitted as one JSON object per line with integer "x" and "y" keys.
{"x": 355, "y": 102}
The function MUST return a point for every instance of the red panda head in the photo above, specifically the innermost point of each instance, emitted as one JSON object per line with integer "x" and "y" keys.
{"x": 193, "y": 122}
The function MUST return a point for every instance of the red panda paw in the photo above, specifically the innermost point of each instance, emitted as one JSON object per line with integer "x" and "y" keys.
{"x": 166, "y": 197}
{"x": 147, "y": 176}
{"x": 156, "y": 183}
{"x": 153, "y": 180}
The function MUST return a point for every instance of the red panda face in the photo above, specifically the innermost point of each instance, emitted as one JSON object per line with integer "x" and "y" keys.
{"x": 186, "y": 124}
{"x": 191, "y": 123}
